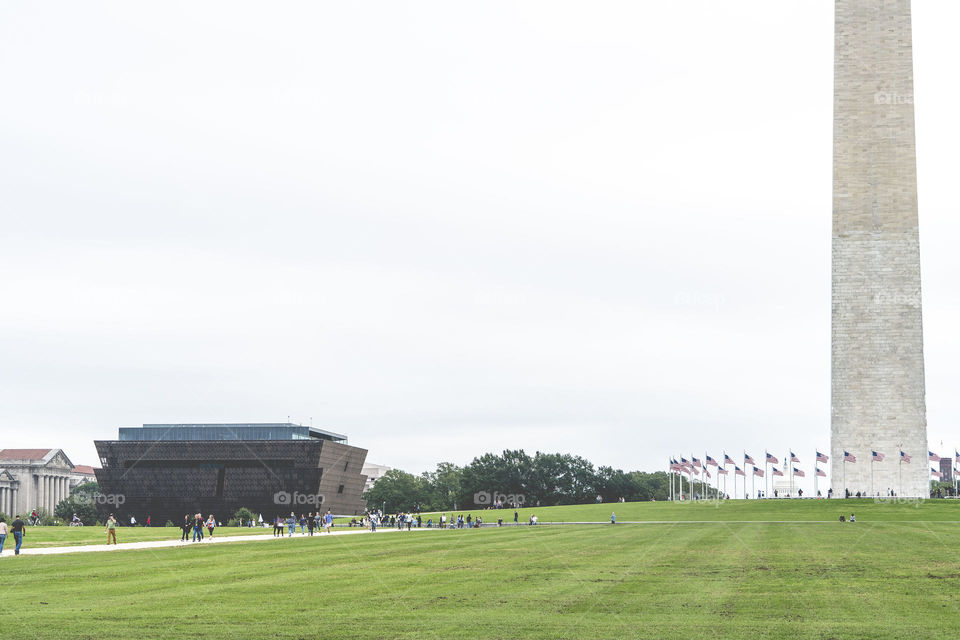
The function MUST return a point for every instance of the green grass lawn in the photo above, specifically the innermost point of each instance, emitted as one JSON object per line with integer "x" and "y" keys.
{"x": 893, "y": 574}
{"x": 69, "y": 536}
{"x": 728, "y": 510}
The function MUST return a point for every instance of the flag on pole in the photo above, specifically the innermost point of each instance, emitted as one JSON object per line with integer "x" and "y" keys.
{"x": 711, "y": 461}
{"x": 771, "y": 459}
{"x": 738, "y": 471}
{"x": 757, "y": 471}
{"x": 822, "y": 458}
{"x": 727, "y": 460}
{"x": 794, "y": 458}
{"x": 933, "y": 457}
{"x": 798, "y": 473}
{"x": 693, "y": 470}
{"x": 849, "y": 457}
{"x": 956, "y": 454}
{"x": 706, "y": 472}
{"x": 777, "y": 472}
{"x": 877, "y": 457}
{"x": 721, "y": 471}
{"x": 904, "y": 457}
{"x": 696, "y": 462}
{"x": 935, "y": 473}
{"x": 820, "y": 472}
{"x": 747, "y": 459}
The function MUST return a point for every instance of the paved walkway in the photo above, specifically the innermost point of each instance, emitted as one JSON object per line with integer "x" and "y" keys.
{"x": 26, "y": 550}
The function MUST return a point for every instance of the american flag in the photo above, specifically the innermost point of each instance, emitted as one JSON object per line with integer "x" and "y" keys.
{"x": 747, "y": 459}
{"x": 721, "y": 471}
{"x": 936, "y": 473}
{"x": 794, "y": 458}
{"x": 904, "y": 457}
{"x": 674, "y": 465}
{"x": 693, "y": 470}
{"x": 757, "y": 471}
{"x": 738, "y": 471}
{"x": 777, "y": 472}
{"x": 822, "y": 458}
{"x": 798, "y": 473}
{"x": 820, "y": 472}
{"x": 706, "y": 472}
{"x": 727, "y": 460}
{"x": 696, "y": 462}
{"x": 877, "y": 457}
{"x": 849, "y": 457}
{"x": 711, "y": 461}
{"x": 956, "y": 454}
{"x": 933, "y": 457}
{"x": 771, "y": 459}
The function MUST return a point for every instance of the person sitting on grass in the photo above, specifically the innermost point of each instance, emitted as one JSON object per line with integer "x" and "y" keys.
{"x": 853, "y": 518}
{"x": 843, "y": 518}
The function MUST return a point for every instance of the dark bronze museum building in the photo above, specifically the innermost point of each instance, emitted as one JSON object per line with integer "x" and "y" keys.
{"x": 166, "y": 471}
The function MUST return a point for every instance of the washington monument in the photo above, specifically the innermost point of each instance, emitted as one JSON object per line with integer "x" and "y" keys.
{"x": 877, "y": 390}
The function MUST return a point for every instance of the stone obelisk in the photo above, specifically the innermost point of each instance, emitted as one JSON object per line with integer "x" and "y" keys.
{"x": 877, "y": 390}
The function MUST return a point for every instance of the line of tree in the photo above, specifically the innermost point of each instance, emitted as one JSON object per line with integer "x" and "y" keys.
{"x": 543, "y": 479}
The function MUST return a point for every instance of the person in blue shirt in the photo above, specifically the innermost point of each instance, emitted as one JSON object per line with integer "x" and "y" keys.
{"x": 328, "y": 521}
{"x": 613, "y": 518}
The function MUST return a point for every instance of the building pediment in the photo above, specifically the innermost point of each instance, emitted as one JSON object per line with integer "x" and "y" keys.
{"x": 57, "y": 459}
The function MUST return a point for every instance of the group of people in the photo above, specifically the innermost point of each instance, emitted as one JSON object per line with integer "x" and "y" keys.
{"x": 17, "y": 527}
{"x": 196, "y": 524}
{"x": 308, "y": 523}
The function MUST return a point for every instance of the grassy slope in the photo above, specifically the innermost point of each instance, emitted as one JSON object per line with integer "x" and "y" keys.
{"x": 866, "y": 580}
{"x": 731, "y": 510}
{"x": 893, "y": 574}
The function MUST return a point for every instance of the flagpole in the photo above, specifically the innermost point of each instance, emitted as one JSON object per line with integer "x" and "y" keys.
{"x": 816, "y": 494}
{"x": 871, "y": 472}
{"x": 790, "y": 476}
{"x": 900, "y": 470}
{"x": 766, "y": 479}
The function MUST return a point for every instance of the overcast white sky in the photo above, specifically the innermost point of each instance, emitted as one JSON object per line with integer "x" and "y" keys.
{"x": 442, "y": 228}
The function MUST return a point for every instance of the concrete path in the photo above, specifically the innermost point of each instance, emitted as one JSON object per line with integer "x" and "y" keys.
{"x": 25, "y": 550}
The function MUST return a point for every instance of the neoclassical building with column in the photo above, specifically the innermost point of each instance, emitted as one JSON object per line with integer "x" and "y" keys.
{"x": 33, "y": 479}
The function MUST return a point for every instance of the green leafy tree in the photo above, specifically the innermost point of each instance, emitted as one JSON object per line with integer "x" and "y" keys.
{"x": 397, "y": 491}
{"x": 81, "y": 501}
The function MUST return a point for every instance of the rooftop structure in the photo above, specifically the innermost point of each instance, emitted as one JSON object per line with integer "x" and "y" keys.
{"x": 220, "y": 431}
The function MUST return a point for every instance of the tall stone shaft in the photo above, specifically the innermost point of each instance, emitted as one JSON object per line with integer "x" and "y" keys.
{"x": 877, "y": 386}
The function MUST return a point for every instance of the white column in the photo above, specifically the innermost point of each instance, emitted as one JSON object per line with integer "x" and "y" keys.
{"x": 45, "y": 497}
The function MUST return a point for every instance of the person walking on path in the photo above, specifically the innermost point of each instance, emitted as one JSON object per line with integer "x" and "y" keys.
{"x": 3, "y": 533}
{"x": 17, "y": 527}
{"x": 111, "y": 530}
{"x": 211, "y": 524}
{"x": 291, "y": 525}
{"x": 613, "y": 518}
{"x": 185, "y": 527}
{"x": 328, "y": 521}
{"x": 311, "y": 523}
{"x": 303, "y": 525}
{"x": 198, "y": 528}
{"x": 374, "y": 519}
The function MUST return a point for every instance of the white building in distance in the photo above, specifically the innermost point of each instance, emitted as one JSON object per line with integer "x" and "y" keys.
{"x": 34, "y": 479}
